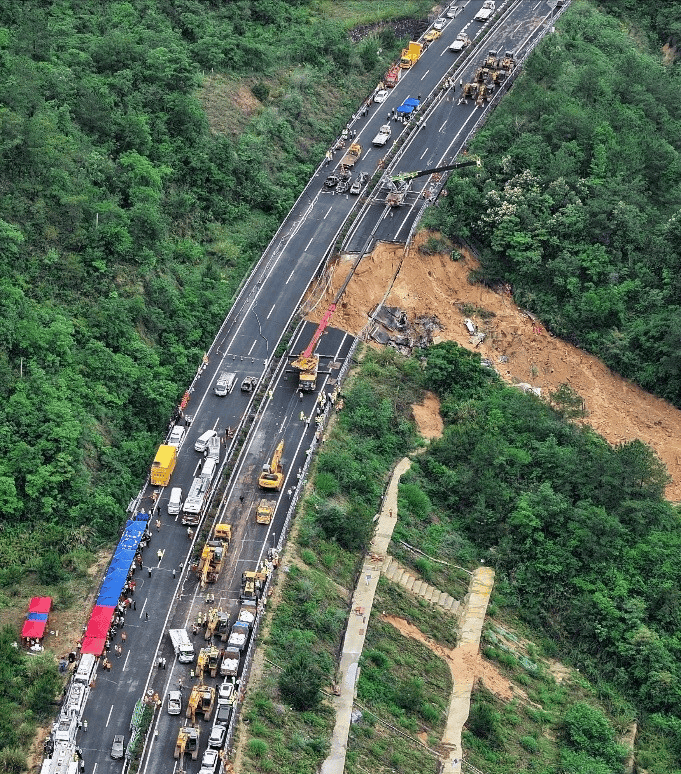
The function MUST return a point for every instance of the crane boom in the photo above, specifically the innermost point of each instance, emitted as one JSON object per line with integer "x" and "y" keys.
{"x": 318, "y": 333}
{"x": 421, "y": 173}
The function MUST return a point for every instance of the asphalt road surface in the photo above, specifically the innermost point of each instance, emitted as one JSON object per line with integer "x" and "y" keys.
{"x": 167, "y": 595}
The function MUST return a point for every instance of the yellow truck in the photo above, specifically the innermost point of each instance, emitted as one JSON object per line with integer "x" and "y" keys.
{"x": 352, "y": 156}
{"x": 411, "y": 55}
{"x": 163, "y": 465}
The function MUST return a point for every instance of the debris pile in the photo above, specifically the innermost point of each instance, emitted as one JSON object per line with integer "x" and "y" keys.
{"x": 391, "y": 327}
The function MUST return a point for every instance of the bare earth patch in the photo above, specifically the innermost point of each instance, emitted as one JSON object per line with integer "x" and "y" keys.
{"x": 437, "y": 285}
{"x": 427, "y": 416}
{"x": 228, "y": 104}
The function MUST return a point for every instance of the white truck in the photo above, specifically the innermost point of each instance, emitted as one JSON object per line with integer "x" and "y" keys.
{"x": 485, "y": 12}
{"x": 214, "y": 449}
{"x": 383, "y": 135}
{"x": 229, "y": 666}
{"x": 238, "y": 637}
{"x": 194, "y": 501}
{"x": 225, "y": 383}
{"x": 184, "y": 649}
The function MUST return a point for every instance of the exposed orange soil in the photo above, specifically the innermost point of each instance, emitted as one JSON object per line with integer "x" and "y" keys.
{"x": 427, "y": 416}
{"x": 437, "y": 285}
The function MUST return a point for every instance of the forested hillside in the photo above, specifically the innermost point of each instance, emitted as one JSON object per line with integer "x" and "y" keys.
{"x": 126, "y": 226}
{"x": 578, "y": 205}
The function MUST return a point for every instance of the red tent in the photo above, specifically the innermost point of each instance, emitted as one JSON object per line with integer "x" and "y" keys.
{"x": 94, "y": 645}
{"x": 40, "y": 605}
{"x": 99, "y": 623}
{"x": 36, "y": 618}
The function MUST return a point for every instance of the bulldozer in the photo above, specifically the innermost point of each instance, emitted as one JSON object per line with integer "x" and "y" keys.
{"x": 187, "y": 742}
{"x": 207, "y": 661}
{"x": 492, "y": 60}
{"x": 264, "y": 511}
{"x": 483, "y": 94}
{"x": 211, "y": 623}
{"x": 272, "y": 475}
{"x": 223, "y": 532}
{"x": 222, "y": 628}
{"x": 508, "y": 62}
{"x": 470, "y": 91}
{"x": 201, "y": 699}
{"x": 252, "y": 584}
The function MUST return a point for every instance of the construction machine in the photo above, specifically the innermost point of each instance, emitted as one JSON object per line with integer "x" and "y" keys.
{"x": 492, "y": 60}
{"x": 252, "y": 584}
{"x": 187, "y": 742}
{"x": 508, "y": 62}
{"x": 222, "y": 628}
{"x": 201, "y": 663}
{"x": 272, "y": 475}
{"x": 209, "y": 566}
{"x": 223, "y": 532}
{"x": 399, "y": 185}
{"x": 201, "y": 700}
{"x": 211, "y": 623}
{"x": 483, "y": 94}
{"x": 264, "y": 512}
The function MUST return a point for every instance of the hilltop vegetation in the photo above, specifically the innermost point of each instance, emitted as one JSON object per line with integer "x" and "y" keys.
{"x": 578, "y": 204}
{"x": 126, "y": 226}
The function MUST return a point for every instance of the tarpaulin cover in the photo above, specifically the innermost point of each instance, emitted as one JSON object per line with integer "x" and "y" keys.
{"x": 94, "y": 645}
{"x": 110, "y": 592}
{"x": 411, "y": 101}
{"x": 100, "y": 620}
{"x": 36, "y": 617}
{"x": 408, "y": 106}
{"x": 34, "y": 628}
{"x": 40, "y": 605}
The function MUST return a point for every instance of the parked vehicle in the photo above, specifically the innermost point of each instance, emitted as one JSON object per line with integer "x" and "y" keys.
{"x": 163, "y": 466}
{"x": 202, "y": 441}
{"x": 381, "y": 96}
{"x": 411, "y": 55}
{"x": 182, "y": 645}
{"x": 225, "y": 383}
{"x": 216, "y": 739}
{"x": 175, "y": 501}
{"x": 118, "y": 746}
{"x": 174, "y": 702}
{"x": 384, "y": 134}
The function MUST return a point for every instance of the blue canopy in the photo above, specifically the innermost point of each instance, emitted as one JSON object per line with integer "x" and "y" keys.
{"x": 408, "y": 106}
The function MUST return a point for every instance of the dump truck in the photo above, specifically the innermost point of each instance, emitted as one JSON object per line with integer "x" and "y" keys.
{"x": 222, "y": 627}
{"x": 252, "y": 584}
{"x": 485, "y": 12}
{"x": 264, "y": 512}
{"x": 352, "y": 156}
{"x": 384, "y": 134}
{"x": 272, "y": 474}
{"x": 229, "y": 666}
{"x": 391, "y": 78}
{"x": 182, "y": 645}
{"x": 210, "y": 563}
{"x": 238, "y": 637}
{"x": 163, "y": 466}
{"x": 187, "y": 742}
{"x": 201, "y": 700}
{"x": 247, "y": 612}
{"x": 411, "y": 55}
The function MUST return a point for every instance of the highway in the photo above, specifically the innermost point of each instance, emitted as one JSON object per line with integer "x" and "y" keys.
{"x": 167, "y": 594}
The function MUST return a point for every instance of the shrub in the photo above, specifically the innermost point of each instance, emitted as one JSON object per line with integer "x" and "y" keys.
{"x": 484, "y": 722}
{"x": 257, "y": 748}
{"x": 529, "y": 743}
{"x": 301, "y": 682}
{"x": 587, "y": 730}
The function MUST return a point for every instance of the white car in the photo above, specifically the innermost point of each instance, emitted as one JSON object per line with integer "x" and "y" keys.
{"x": 210, "y": 760}
{"x": 217, "y": 737}
{"x": 439, "y": 24}
{"x": 381, "y": 95}
{"x": 453, "y": 11}
{"x": 225, "y": 692}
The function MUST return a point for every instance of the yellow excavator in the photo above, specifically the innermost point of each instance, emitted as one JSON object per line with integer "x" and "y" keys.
{"x": 187, "y": 742}
{"x": 272, "y": 474}
{"x": 212, "y": 622}
{"x": 201, "y": 700}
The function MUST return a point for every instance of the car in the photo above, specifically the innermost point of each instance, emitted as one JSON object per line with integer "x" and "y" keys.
{"x": 432, "y": 35}
{"x": 462, "y": 40}
{"x": 439, "y": 25}
{"x": 343, "y": 186}
{"x": 210, "y": 760}
{"x": 217, "y": 737}
{"x": 381, "y": 95}
{"x": 225, "y": 692}
{"x": 355, "y": 188}
{"x": 176, "y": 436}
{"x": 223, "y": 714}
{"x": 331, "y": 181}
{"x": 363, "y": 177}
{"x": 118, "y": 746}
{"x": 248, "y": 384}
{"x": 174, "y": 702}
{"x": 453, "y": 11}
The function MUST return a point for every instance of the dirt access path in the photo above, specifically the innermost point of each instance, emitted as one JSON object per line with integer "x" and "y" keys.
{"x": 436, "y": 285}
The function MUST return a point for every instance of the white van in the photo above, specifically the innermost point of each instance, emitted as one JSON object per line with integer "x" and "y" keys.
{"x": 176, "y": 436}
{"x": 202, "y": 441}
{"x": 175, "y": 501}
{"x": 225, "y": 383}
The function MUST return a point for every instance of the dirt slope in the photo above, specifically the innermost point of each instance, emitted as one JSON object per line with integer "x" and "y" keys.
{"x": 436, "y": 285}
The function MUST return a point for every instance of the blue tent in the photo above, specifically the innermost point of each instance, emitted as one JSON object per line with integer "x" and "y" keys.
{"x": 408, "y": 106}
